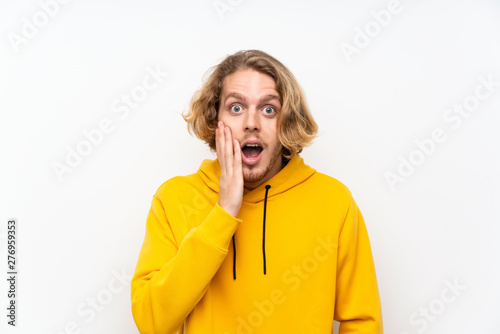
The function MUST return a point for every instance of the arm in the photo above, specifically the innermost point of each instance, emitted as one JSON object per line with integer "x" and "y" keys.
{"x": 357, "y": 305}
{"x": 170, "y": 278}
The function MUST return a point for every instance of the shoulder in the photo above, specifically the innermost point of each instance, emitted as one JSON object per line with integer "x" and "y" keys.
{"x": 330, "y": 187}
{"x": 176, "y": 185}
{"x": 331, "y": 183}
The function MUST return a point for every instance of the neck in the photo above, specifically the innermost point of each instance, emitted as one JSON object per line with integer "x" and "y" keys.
{"x": 251, "y": 186}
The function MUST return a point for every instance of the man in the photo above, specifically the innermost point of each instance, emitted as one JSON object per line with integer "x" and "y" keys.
{"x": 256, "y": 241}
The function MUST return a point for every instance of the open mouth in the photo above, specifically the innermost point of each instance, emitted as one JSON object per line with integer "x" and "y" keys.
{"x": 251, "y": 151}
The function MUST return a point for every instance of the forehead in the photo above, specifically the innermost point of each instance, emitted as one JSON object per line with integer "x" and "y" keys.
{"x": 249, "y": 82}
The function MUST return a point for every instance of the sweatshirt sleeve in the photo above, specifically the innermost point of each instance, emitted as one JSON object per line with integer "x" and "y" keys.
{"x": 357, "y": 304}
{"x": 171, "y": 277}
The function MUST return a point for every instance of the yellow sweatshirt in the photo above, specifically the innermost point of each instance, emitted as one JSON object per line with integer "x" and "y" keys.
{"x": 296, "y": 258}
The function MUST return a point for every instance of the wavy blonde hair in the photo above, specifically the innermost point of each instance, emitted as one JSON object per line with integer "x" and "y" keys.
{"x": 296, "y": 127}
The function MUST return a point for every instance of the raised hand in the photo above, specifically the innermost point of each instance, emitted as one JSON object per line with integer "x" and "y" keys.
{"x": 231, "y": 179}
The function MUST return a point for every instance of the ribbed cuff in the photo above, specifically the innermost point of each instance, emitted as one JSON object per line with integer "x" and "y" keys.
{"x": 219, "y": 227}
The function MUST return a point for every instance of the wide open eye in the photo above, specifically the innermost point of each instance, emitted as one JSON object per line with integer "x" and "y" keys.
{"x": 236, "y": 108}
{"x": 269, "y": 110}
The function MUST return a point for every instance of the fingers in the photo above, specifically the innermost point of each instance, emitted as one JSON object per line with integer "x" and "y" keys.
{"x": 231, "y": 179}
{"x": 228, "y": 150}
{"x": 220, "y": 143}
{"x": 237, "y": 158}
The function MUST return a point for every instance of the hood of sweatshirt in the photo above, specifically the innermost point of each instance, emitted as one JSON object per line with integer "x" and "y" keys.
{"x": 294, "y": 173}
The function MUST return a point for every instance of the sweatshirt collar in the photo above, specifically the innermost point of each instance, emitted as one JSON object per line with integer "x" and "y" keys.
{"x": 294, "y": 173}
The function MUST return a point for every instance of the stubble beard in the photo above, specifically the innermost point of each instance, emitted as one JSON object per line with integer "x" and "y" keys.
{"x": 251, "y": 173}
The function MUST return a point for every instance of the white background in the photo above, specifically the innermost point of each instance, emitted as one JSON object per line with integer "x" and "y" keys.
{"x": 440, "y": 225}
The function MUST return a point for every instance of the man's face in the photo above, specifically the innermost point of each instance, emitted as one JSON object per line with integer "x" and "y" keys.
{"x": 249, "y": 106}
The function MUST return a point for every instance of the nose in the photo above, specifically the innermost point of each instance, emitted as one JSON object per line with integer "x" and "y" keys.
{"x": 252, "y": 121}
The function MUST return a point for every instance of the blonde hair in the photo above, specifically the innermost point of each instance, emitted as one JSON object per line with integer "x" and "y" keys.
{"x": 296, "y": 127}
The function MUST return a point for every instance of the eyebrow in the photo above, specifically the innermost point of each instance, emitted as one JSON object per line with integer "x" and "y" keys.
{"x": 266, "y": 98}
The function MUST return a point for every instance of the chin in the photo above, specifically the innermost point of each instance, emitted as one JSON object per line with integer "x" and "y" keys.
{"x": 253, "y": 174}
